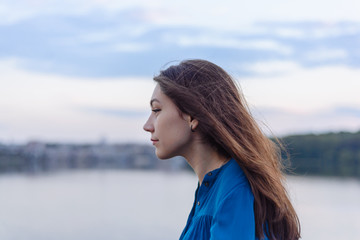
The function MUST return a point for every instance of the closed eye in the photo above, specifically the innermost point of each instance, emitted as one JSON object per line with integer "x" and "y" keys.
{"x": 156, "y": 110}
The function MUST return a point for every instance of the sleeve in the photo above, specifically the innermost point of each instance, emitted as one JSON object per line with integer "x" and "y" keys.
{"x": 234, "y": 217}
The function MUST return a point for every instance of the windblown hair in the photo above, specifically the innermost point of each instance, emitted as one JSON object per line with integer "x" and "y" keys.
{"x": 207, "y": 93}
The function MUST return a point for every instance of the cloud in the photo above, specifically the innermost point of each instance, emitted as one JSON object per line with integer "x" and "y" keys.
{"x": 52, "y": 107}
{"x": 14, "y": 11}
{"x": 217, "y": 40}
{"x": 322, "y": 54}
{"x": 289, "y": 32}
{"x": 303, "y": 90}
{"x": 95, "y": 45}
{"x": 315, "y": 30}
{"x": 270, "y": 68}
{"x": 282, "y": 122}
{"x": 131, "y": 47}
{"x": 30, "y": 87}
{"x": 229, "y": 14}
{"x": 57, "y": 108}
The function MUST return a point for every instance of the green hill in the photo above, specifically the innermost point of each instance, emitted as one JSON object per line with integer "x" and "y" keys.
{"x": 335, "y": 154}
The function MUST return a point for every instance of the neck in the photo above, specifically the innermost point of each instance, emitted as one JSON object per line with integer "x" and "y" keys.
{"x": 203, "y": 159}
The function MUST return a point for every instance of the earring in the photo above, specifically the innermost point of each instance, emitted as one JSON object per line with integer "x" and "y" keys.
{"x": 192, "y": 128}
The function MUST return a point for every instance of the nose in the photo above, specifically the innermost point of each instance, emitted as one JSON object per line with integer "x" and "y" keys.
{"x": 148, "y": 126}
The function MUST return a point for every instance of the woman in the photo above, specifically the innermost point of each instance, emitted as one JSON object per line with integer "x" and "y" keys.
{"x": 198, "y": 113}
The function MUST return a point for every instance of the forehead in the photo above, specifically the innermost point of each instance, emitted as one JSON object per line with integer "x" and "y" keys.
{"x": 157, "y": 92}
{"x": 158, "y": 97}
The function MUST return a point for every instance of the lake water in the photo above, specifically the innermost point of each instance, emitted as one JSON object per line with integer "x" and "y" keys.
{"x": 133, "y": 205}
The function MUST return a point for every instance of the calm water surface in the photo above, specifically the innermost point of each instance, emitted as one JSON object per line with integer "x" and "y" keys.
{"x": 134, "y": 205}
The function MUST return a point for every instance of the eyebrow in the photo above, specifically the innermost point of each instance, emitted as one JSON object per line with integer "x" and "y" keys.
{"x": 154, "y": 100}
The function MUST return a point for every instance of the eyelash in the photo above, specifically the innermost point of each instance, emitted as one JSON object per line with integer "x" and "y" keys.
{"x": 156, "y": 110}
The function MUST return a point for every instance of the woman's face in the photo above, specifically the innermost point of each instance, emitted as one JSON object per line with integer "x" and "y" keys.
{"x": 169, "y": 128}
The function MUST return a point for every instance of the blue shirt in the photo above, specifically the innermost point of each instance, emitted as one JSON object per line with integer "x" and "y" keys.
{"x": 223, "y": 208}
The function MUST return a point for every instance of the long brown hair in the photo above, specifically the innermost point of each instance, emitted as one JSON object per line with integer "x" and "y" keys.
{"x": 207, "y": 93}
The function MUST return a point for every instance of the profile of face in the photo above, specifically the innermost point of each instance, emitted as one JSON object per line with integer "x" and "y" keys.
{"x": 170, "y": 129}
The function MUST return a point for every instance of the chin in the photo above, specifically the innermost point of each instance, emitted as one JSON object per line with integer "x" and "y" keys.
{"x": 162, "y": 155}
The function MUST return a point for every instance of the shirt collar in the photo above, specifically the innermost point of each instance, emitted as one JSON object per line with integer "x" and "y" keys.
{"x": 211, "y": 176}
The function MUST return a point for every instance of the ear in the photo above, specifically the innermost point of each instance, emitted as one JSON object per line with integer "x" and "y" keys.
{"x": 194, "y": 123}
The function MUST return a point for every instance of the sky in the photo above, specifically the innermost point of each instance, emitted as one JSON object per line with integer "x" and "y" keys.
{"x": 81, "y": 71}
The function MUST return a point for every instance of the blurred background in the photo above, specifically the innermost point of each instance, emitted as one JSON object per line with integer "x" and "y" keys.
{"x": 75, "y": 84}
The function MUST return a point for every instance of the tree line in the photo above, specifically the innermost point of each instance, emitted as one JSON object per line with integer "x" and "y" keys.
{"x": 330, "y": 154}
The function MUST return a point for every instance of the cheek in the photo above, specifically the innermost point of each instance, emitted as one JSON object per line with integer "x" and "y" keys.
{"x": 172, "y": 128}
{"x": 174, "y": 124}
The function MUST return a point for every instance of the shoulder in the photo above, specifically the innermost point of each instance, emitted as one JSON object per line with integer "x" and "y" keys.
{"x": 234, "y": 211}
{"x": 237, "y": 201}
{"x": 232, "y": 184}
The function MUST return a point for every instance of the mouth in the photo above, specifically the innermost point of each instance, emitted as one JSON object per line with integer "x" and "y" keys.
{"x": 154, "y": 141}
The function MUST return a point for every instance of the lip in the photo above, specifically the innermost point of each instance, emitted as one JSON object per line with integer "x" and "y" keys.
{"x": 154, "y": 141}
